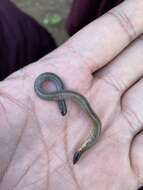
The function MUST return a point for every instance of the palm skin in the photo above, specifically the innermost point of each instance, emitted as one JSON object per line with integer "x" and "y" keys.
{"x": 37, "y": 143}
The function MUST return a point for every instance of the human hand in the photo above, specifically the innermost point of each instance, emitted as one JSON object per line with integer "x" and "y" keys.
{"x": 37, "y": 143}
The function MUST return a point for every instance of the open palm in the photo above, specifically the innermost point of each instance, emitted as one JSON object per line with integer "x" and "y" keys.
{"x": 37, "y": 143}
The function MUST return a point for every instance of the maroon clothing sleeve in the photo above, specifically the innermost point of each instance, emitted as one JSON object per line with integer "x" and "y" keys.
{"x": 85, "y": 11}
{"x": 22, "y": 40}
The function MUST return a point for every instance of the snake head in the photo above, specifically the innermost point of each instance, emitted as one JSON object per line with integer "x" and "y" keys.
{"x": 76, "y": 157}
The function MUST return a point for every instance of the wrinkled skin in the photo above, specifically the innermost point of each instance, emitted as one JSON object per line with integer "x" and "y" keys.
{"x": 37, "y": 143}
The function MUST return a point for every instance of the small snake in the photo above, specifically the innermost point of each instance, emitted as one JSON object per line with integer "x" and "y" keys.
{"x": 60, "y": 95}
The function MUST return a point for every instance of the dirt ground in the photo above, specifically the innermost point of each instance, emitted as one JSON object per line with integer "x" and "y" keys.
{"x": 50, "y": 13}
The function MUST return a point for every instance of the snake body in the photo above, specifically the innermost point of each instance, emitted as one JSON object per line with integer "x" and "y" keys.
{"x": 61, "y": 95}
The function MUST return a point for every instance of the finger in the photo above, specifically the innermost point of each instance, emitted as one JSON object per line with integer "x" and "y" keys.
{"x": 102, "y": 40}
{"x": 126, "y": 69}
{"x": 132, "y": 106}
{"x": 137, "y": 157}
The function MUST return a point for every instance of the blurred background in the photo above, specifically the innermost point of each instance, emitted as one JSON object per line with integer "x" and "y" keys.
{"x": 51, "y": 14}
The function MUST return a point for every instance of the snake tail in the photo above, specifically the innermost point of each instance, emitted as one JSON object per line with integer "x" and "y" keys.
{"x": 62, "y": 107}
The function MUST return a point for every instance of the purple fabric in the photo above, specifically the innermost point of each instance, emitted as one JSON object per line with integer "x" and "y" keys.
{"x": 22, "y": 40}
{"x": 85, "y": 11}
